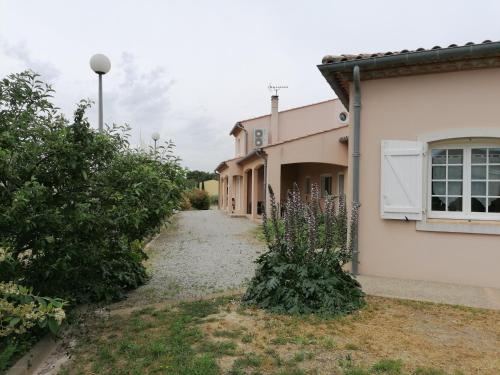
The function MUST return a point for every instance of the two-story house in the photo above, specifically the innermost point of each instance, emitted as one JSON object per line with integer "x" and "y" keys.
{"x": 303, "y": 145}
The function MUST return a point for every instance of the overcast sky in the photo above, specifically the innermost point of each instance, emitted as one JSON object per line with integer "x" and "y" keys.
{"x": 191, "y": 69}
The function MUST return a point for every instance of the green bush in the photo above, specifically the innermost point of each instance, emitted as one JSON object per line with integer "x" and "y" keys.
{"x": 185, "y": 204}
{"x": 199, "y": 199}
{"x": 22, "y": 316}
{"x": 302, "y": 271}
{"x": 76, "y": 204}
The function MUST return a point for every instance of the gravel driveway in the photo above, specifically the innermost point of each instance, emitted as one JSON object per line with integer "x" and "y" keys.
{"x": 201, "y": 252}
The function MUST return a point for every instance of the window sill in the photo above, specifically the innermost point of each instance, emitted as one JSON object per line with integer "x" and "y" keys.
{"x": 459, "y": 226}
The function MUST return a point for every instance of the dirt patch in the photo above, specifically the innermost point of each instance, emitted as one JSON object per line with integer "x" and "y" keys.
{"x": 452, "y": 339}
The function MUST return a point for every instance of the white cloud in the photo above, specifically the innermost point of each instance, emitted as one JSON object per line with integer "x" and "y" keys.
{"x": 21, "y": 53}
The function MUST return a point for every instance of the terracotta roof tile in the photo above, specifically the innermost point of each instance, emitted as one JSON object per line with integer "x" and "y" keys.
{"x": 329, "y": 59}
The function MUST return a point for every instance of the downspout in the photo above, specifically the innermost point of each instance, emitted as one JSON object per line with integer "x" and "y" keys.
{"x": 355, "y": 161}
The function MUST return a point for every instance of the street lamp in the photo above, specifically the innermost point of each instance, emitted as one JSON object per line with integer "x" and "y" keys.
{"x": 156, "y": 137}
{"x": 101, "y": 65}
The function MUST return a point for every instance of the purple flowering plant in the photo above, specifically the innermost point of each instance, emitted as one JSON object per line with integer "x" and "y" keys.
{"x": 308, "y": 245}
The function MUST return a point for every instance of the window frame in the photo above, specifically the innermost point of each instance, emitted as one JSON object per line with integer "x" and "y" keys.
{"x": 466, "y": 145}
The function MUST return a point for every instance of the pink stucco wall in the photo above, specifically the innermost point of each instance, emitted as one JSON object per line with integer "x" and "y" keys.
{"x": 297, "y": 122}
{"x": 405, "y": 109}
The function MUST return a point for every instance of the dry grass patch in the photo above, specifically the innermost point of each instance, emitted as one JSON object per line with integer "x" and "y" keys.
{"x": 219, "y": 336}
{"x": 387, "y": 336}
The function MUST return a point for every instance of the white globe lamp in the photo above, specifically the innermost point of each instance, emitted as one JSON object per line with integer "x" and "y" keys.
{"x": 101, "y": 65}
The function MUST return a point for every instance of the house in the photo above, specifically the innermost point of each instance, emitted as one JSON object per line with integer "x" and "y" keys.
{"x": 303, "y": 145}
{"x": 210, "y": 186}
{"x": 424, "y": 160}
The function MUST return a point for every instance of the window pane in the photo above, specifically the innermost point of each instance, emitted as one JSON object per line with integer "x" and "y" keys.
{"x": 438, "y": 156}
{"x": 438, "y": 203}
{"x": 478, "y": 188}
{"x": 478, "y": 172}
{"x": 493, "y": 204}
{"x": 454, "y": 173}
{"x": 494, "y": 188}
{"x": 478, "y": 156}
{"x": 455, "y": 188}
{"x": 439, "y": 188}
{"x": 439, "y": 173}
{"x": 454, "y": 203}
{"x": 478, "y": 204}
{"x": 455, "y": 156}
{"x": 494, "y": 172}
{"x": 494, "y": 155}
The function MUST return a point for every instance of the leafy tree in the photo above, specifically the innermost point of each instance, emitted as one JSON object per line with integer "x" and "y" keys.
{"x": 194, "y": 178}
{"x": 302, "y": 271}
{"x": 75, "y": 204}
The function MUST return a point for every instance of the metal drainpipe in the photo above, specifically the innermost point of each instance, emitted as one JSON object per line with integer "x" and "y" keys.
{"x": 355, "y": 160}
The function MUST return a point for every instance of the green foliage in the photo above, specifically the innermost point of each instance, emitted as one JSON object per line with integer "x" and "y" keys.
{"x": 172, "y": 342}
{"x": 302, "y": 271}
{"x": 388, "y": 366}
{"x": 199, "y": 199}
{"x": 194, "y": 178}
{"x": 185, "y": 203}
{"x": 75, "y": 204}
{"x": 22, "y": 315}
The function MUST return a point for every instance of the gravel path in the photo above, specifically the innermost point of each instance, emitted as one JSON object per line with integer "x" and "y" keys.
{"x": 201, "y": 252}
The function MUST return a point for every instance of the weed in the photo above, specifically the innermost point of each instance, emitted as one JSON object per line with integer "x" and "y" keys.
{"x": 248, "y": 360}
{"x": 218, "y": 348}
{"x": 428, "y": 371}
{"x": 291, "y": 371}
{"x": 247, "y": 338}
{"x": 388, "y": 366}
{"x": 227, "y": 333}
{"x": 328, "y": 343}
{"x": 351, "y": 346}
{"x": 356, "y": 371}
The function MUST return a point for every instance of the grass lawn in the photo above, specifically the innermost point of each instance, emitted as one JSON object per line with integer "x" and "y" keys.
{"x": 388, "y": 336}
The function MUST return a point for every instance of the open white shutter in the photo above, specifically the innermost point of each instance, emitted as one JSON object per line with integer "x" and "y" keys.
{"x": 401, "y": 180}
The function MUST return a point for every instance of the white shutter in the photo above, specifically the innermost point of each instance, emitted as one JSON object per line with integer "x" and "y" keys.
{"x": 401, "y": 180}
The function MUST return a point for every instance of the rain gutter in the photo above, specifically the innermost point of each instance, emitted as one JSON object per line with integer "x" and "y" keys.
{"x": 432, "y": 56}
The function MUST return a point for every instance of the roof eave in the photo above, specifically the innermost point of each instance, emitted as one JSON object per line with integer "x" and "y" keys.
{"x": 332, "y": 70}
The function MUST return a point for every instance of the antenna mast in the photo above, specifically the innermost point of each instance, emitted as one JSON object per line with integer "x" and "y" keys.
{"x": 276, "y": 88}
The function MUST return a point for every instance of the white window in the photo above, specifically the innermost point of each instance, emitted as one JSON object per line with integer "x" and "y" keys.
{"x": 326, "y": 185}
{"x": 464, "y": 181}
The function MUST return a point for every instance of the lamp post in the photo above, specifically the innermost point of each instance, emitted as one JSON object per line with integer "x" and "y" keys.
{"x": 156, "y": 137}
{"x": 101, "y": 65}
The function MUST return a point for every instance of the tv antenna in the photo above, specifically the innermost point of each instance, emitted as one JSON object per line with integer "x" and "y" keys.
{"x": 276, "y": 88}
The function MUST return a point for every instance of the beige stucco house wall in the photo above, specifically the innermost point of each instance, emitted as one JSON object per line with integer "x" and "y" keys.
{"x": 304, "y": 145}
{"x": 456, "y": 103}
{"x": 411, "y": 108}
